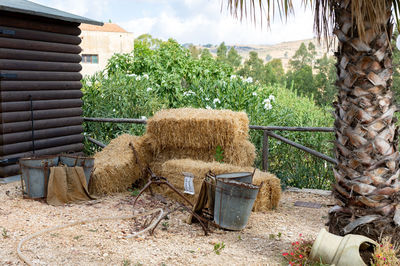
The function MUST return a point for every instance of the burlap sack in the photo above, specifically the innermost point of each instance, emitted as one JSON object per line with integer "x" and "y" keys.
{"x": 67, "y": 185}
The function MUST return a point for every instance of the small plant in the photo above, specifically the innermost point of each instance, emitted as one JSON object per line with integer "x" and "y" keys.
{"x": 277, "y": 236}
{"x": 5, "y": 233}
{"x": 165, "y": 226}
{"x": 78, "y": 237}
{"x": 219, "y": 154}
{"x": 299, "y": 252}
{"x": 126, "y": 262}
{"x": 240, "y": 237}
{"x": 385, "y": 253}
{"x": 218, "y": 247}
{"x": 135, "y": 192}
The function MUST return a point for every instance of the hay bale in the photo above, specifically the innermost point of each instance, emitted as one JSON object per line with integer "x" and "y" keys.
{"x": 197, "y": 128}
{"x": 267, "y": 199}
{"x": 115, "y": 166}
{"x": 173, "y": 169}
{"x": 270, "y": 192}
{"x": 240, "y": 153}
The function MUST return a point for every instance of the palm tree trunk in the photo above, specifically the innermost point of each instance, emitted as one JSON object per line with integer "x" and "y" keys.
{"x": 367, "y": 175}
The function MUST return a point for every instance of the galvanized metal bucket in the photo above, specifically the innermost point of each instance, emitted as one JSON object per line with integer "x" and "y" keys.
{"x": 35, "y": 175}
{"x": 86, "y": 162}
{"x": 245, "y": 177}
{"x": 233, "y": 203}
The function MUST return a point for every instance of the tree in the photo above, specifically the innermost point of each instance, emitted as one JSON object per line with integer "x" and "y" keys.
{"x": 253, "y": 67}
{"x": 324, "y": 80}
{"x": 221, "y": 52}
{"x": 149, "y": 41}
{"x": 367, "y": 187}
{"x": 303, "y": 57}
{"x": 274, "y": 72}
{"x": 205, "y": 53}
{"x": 233, "y": 58}
{"x": 194, "y": 51}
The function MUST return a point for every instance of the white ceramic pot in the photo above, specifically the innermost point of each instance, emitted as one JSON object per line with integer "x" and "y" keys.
{"x": 338, "y": 250}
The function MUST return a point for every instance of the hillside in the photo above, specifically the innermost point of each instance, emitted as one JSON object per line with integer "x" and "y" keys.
{"x": 283, "y": 51}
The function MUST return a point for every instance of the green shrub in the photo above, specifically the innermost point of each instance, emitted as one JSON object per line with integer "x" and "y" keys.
{"x": 169, "y": 77}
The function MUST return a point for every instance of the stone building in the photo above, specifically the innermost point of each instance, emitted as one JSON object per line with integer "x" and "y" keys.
{"x": 99, "y": 43}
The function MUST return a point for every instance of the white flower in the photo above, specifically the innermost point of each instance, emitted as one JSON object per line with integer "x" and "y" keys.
{"x": 216, "y": 100}
{"x": 208, "y": 107}
{"x": 114, "y": 110}
{"x": 187, "y": 93}
{"x": 233, "y": 77}
{"x": 254, "y": 93}
{"x": 267, "y": 106}
{"x": 145, "y": 76}
{"x": 249, "y": 80}
{"x": 271, "y": 97}
{"x": 149, "y": 89}
{"x": 143, "y": 117}
{"x": 138, "y": 78}
{"x": 207, "y": 99}
{"x": 267, "y": 101}
{"x": 89, "y": 83}
{"x": 131, "y": 75}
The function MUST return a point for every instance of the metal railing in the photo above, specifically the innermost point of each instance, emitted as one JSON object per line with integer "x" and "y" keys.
{"x": 268, "y": 132}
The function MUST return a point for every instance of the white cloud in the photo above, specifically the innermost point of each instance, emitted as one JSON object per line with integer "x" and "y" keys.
{"x": 188, "y": 21}
{"x": 205, "y": 23}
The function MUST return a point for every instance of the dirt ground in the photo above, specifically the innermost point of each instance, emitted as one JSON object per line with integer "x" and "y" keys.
{"x": 174, "y": 241}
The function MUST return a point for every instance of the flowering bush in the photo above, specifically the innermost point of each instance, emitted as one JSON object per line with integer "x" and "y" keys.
{"x": 299, "y": 252}
{"x": 385, "y": 254}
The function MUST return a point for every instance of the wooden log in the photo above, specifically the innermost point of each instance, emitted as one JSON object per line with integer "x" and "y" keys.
{"x": 116, "y": 120}
{"x": 15, "y": 54}
{"x": 96, "y": 142}
{"x": 8, "y": 64}
{"x": 15, "y": 127}
{"x": 40, "y": 105}
{"x": 40, "y": 134}
{"x": 39, "y": 46}
{"x": 39, "y": 114}
{"x": 13, "y": 169}
{"x": 12, "y": 19}
{"x": 35, "y": 35}
{"x": 39, "y": 76}
{"x": 304, "y": 148}
{"x": 15, "y": 75}
{"x": 39, "y": 144}
{"x": 13, "y": 85}
{"x": 15, "y": 96}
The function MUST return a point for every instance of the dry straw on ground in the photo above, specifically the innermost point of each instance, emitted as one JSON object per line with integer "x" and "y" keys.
{"x": 267, "y": 198}
{"x": 116, "y": 167}
{"x": 197, "y": 128}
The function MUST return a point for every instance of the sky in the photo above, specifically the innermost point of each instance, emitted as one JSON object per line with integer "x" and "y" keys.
{"x": 189, "y": 21}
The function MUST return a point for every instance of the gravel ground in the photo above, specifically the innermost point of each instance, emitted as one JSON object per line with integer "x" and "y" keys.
{"x": 174, "y": 241}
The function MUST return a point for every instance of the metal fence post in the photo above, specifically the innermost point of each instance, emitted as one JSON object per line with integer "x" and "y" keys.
{"x": 265, "y": 151}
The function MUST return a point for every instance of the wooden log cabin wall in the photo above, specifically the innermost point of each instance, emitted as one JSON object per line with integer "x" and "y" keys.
{"x": 39, "y": 86}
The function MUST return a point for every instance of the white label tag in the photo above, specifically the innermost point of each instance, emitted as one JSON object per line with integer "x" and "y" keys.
{"x": 188, "y": 183}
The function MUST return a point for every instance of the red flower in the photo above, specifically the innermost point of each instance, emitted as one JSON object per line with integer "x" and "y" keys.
{"x": 291, "y": 253}
{"x": 285, "y": 254}
{"x": 300, "y": 256}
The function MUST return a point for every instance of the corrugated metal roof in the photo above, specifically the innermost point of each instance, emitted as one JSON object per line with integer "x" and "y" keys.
{"x": 107, "y": 27}
{"x": 28, "y": 7}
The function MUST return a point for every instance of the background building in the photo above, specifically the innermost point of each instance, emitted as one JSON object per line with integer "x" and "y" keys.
{"x": 99, "y": 43}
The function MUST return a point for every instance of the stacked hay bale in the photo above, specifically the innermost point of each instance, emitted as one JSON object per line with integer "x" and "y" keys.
{"x": 267, "y": 198}
{"x": 197, "y": 134}
{"x": 116, "y": 167}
